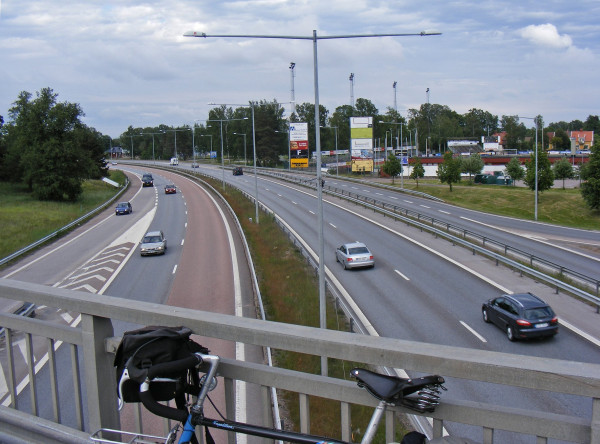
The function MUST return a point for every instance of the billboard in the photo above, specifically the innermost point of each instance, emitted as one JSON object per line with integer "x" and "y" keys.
{"x": 298, "y": 145}
{"x": 361, "y": 144}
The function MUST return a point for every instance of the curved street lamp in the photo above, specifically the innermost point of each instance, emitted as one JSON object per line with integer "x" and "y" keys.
{"x": 314, "y": 38}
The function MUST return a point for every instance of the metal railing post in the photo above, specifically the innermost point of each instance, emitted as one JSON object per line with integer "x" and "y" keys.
{"x": 99, "y": 373}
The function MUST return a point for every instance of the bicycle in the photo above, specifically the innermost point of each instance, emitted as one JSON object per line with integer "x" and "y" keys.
{"x": 420, "y": 394}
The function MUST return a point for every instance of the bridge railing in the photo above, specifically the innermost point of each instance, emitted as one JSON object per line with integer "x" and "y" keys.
{"x": 89, "y": 403}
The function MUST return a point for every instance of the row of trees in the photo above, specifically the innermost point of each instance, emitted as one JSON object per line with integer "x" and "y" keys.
{"x": 429, "y": 127}
{"x": 46, "y": 146}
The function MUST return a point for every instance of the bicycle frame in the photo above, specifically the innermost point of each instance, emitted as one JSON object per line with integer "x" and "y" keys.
{"x": 389, "y": 390}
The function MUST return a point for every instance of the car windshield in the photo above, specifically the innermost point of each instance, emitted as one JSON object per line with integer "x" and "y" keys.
{"x": 539, "y": 312}
{"x": 358, "y": 250}
{"x": 122, "y": 205}
{"x": 152, "y": 239}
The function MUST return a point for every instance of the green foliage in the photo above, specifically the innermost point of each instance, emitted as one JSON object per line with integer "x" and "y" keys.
{"x": 472, "y": 164}
{"x": 545, "y": 173}
{"x": 515, "y": 170}
{"x": 392, "y": 167}
{"x": 449, "y": 170}
{"x": 561, "y": 140}
{"x": 563, "y": 170}
{"x": 590, "y": 188}
{"x": 418, "y": 170}
{"x": 48, "y": 148}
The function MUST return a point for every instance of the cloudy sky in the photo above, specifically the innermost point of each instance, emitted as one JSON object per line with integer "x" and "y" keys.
{"x": 128, "y": 63}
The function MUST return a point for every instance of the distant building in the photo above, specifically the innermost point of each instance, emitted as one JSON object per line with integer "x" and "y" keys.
{"x": 580, "y": 140}
{"x": 115, "y": 152}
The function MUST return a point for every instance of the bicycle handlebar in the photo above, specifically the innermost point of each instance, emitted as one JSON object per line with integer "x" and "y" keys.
{"x": 167, "y": 369}
{"x": 160, "y": 409}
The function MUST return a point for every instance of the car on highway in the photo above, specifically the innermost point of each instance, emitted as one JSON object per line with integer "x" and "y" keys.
{"x": 521, "y": 316}
{"x": 195, "y": 165}
{"x": 147, "y": 180}
{"x": 354, "y": 255}
{"x": 238, "y": 171}
{"x": 170, "y": 189}
{"x": 154, "y": 242}
{"x": 123, "y": 208}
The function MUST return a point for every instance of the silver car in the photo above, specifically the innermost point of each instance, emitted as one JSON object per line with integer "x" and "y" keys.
{"x": 154, "y": 242}
{"x": 353, "y": 255}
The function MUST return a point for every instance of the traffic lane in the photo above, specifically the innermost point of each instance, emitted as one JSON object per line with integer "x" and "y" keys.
{"x": 51, "y": 264}
{"x": 149, "y": 278}
{"x": 207, "y": 273}
{"x": 561, "y": 245}
{"x": 400, "y": 279}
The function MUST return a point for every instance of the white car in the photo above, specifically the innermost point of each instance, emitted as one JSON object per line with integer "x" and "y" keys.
{"x": 154, "y": 242}
{"x": 354, "y": 255}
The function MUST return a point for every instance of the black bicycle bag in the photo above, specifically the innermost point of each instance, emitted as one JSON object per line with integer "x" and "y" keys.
{"x": 141, "y": 349}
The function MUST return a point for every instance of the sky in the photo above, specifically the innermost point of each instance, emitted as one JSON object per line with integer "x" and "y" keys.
{"x": 128, "y": 63}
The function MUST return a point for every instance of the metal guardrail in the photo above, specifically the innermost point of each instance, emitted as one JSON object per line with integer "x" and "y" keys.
{"x": 490, "y": 246}
{"x": 92, "y": 348}
{"x": 64, "y": 229}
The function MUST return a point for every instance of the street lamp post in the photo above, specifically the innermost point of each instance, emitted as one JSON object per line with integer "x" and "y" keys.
{"x": 401, "y": 150}
{"x": 243, "y": 134}
{"x": 131, "y": 137}
{"x": 251, "y": 106}
{"x": 151, "y": 134}
{"x": 222, "y": 156}
{"x": 535, "y": 210}
{"x": 337, "y": 171}
{"x": 175, "y": 131}
{"x": 208, "y": 135}
{"x": 314, "y": 38}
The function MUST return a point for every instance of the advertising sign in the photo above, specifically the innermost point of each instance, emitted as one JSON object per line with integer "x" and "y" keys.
{"x": 361, "y": 143}
{"x": 299, "y": 145}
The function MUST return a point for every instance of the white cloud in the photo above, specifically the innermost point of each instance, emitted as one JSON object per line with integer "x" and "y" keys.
{"x": 546, "y": 35}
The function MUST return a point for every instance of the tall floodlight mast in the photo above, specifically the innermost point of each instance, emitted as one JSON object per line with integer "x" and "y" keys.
{"x": 351, "y": 78}
{"x": 293, "y": 98}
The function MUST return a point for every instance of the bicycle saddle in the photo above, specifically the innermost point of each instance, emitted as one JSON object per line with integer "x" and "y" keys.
{"x": 393, "y": 388}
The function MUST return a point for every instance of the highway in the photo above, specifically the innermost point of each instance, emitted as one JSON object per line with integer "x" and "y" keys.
{"x": 204, "y": 268}
{"x": 421, "y": 289}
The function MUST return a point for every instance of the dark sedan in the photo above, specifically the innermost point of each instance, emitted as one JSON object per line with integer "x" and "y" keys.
{"x": 521, "y": 316}
{"x": 123, "y": 208}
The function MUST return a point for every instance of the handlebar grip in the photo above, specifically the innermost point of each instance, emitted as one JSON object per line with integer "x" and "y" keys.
{"x": 167, "y": 369}
{"x": 160, "y": 409}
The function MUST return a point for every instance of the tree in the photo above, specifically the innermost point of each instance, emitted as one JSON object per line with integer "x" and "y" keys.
{"x": 392, "y": 167}
{"x": 561, "y": 141}
{"x": 418, "y": 170}
{"x": 590, "y": 188}
{"x": 49, "y": 149}
{"x": 563, "y": 170}
{"x": 449, "y": 170}
{"x": 515, "y": 170}
{"x": 545, "y": 174}
{"x": 472, "y": 165}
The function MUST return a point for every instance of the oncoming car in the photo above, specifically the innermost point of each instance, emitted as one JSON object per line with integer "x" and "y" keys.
{"x": 354, "y": 255}
{"x": 147, "y": 180}
{"x": 521, "y": 316}
{"x": 238, "y": 171}
{"x": 170, "y": 189}
{"x": 153, "y": 242}
{"x": 123, "y": 208}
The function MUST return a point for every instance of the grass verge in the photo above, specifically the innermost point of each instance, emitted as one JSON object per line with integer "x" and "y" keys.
{"x": 289, "y": 287}
{"x": 25, "y": 220}
{"x": 556, "y": 206}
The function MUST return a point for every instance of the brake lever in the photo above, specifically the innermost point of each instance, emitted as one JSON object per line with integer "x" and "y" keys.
{"x": 124, "y": 378}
